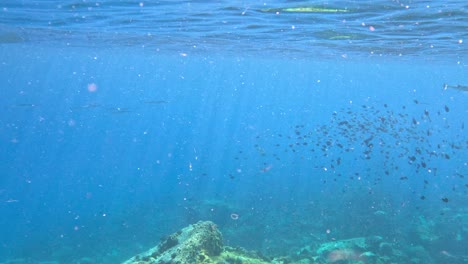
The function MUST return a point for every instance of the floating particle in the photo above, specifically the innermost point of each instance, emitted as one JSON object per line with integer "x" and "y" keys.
{"x": 234, "y": 216}
{"x": 92, "y": 87}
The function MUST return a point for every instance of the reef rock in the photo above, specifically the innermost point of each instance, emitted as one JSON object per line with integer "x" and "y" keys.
{"x": 193, "y": 244}
{"x": 196, "y": 244}
{"x": 354, "y": 250}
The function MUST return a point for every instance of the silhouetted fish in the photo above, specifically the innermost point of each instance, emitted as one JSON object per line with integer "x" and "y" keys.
{"x": 155, "y": 102}
{"x": 456, "y": 87}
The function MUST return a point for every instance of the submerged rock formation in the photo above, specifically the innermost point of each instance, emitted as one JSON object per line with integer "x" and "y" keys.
{"x": 193, "y": 244}
{"x": 201, "y": 243}
{"x": 197, "y": 243}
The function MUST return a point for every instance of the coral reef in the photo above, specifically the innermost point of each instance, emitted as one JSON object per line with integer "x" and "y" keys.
{"x": 196, "y": 243}
{"x": 201, "y": 243}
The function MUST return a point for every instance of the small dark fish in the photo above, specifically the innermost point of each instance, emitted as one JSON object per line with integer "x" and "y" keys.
{"x": 403, "y": 178}
{"x": 416, "y": 101}
{"x": 422, "y": 197}
{"x": 120, "y": 110}
{"x": 445, "y": 200}
{"x": 155, "y": 102}
{"x": 25, "y": 105}
{"x": 447, "y": 109}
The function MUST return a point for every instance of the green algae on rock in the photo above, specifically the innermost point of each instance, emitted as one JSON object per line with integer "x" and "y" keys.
{"x": 201, "y": 243}
{"x": 196, "y": 243}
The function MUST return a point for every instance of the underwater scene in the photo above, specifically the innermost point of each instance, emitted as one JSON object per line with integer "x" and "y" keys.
{"x": 233, "y": 132}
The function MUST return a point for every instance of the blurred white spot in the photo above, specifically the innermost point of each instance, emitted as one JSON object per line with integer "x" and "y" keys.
{"x": 71, "y": 122}
{"x": 92, "y": 87}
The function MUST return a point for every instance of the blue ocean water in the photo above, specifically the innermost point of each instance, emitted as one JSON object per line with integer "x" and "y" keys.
{"x": 122, "y": 122}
